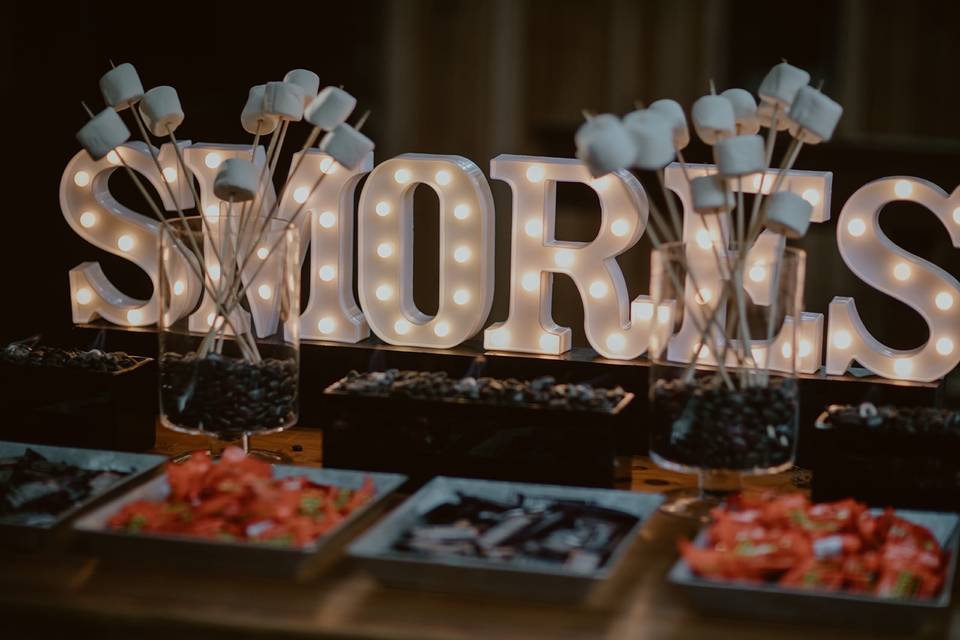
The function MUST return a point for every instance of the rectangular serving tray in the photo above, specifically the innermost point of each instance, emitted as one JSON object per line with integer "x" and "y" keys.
{"x": 94, "y": 534}
{"x": 375, "y": 551}
{"x": 772, "y": 602}
{"x": 138, "y": 465}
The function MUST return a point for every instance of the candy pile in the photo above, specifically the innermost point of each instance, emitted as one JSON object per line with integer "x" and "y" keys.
{"x": 840, "y": 545}
{"x": 20, "y": 353}
{"x": 576, "y": 535}
{"x": 237, "y": 499}
{"x": 897, "y": 420}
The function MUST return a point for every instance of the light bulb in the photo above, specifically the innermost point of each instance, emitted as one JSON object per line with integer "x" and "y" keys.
{"x": 786, "y": 350}
{"x": 499, "y": 338}
{"x": 757, "y": 354}
{"x": 536, "y": 173}
{"x": 441, "y": 329}
{"x": 211, "y": 317}
{"x": 81, "y": 178}
{"x": 563, "y": 258}
{"x": 943, "y": 300}
{"x": 663, "y": 314}
{"x": 383, "y": 208}
{"x": 327, "y": 219}
{"x": 530, "y": 281}
{"x": 461, "y": 211}
{"x": 113, "y": 158}
{"x": 944, "y": 346}
{"x": 549, "y": 342}
{"x": 805, "y": 348}
{"x": 384, "y": 292}
{"x": 702, "y": 351}
{"x": 598, "y": 289}
{"x": 212, "y": 211}
{"x": 443, "y": 177}
{"x": 902, "y": 366}
{"x": 213, "y": 160}
{"x": 461, "y": 254}
{"x": 620, "y": 227}
{"x": 616, "y": 342}
{"x": 135, "y": 316}
{"x": 88, "y": 219}
{"x": 385, "y": 250}
{"x": 326, "y": 165}
{"x": 956, "y": 215}
{"x": 812, "y": 196}
{"x": 533, "y": 228}
{"x": 842, "y": 339}
{"x": 704, "y": 296}
{"x": 856, "y": 227}
{"x": 327, "y": 273}
{"x": 125, "y": 242}
{"x": 903, "y": 188}
{"x": 758, "y": 272}
{"x": 265, "y": 291}
{"x": 326, "y": 325}
{"x": 170, "y": 174}
{"x": 300, "y": 194}
{"x": 214, "y": 271}
{"x": 402, "y": 176}
{"x": 902, "y": 271}
{"x": 84, "y": 295}
{"x": 179, "y": 287}
{"x": 703, "y": 238}
{"x": 461, "y": 296}
{"x": 401, "y": 326}
{"x": 644, "y": 310}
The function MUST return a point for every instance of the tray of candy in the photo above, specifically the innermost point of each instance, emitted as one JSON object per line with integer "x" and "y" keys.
{"x": 505, "y": 539}
{"x": 98, "y": 531}
{"x": 770, "y": 601}
{"x": 42, "y": 488}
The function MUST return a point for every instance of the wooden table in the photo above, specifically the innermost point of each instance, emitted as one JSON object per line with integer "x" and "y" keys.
{"x": 68, "y": 596}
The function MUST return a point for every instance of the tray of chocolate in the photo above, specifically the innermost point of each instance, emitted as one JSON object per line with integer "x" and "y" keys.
{"x": 42, "y": 488}
{"x": 505, "y": 539}
{"x": 784, "y": 557}
{"x": 237, "y": 513}
{"x": 886, "y": 455}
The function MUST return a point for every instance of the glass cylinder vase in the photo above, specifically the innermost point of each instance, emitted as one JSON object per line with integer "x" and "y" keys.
{"x": 229, "y": 343}
{"x": 723, "y": 390}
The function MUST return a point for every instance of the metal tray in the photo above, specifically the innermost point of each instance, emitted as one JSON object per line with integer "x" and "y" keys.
{"x": 772, "y": 602}
{"x": 137, "y": 465}
{"x": 374, "y": 551}
{"x": 95, "y": 535}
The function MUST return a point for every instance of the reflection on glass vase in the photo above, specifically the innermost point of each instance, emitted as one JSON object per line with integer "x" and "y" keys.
{"x": 229, "y": 347}
{"x": 733, "y": 410}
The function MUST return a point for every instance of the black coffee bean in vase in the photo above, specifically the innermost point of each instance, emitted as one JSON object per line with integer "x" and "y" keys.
{"x": 703, "y": 424}
{"x": 227, "y": 396}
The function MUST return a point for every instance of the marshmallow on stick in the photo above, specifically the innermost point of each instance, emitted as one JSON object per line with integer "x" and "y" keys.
{"x": 236, "y": 181}
{"x": 744, "y": 110}
{"x": 331, "y": 107}
{"x": 652, "y": 139}
{"x": 604, "y": 145}
{"x": 765, "y": 117}
{"x": 813, "y": 116}
{"x": 283, "y": 100}
{"x": 710, "y": 195}
{"x": 787, "y": 214}
{"x": 307, "y": 80}
{"x": 713, "y": 118}
{"x": 253, "y": 118}
{"x": 161, "y": 110}
{"x": 673, "y": 112}
{"x": 346, "y": 145}
{"x": 103, "y": 133}
{"x": 739, "y": 156}
{"x": 780, "y": 85}
{"x": 121, "y": 86}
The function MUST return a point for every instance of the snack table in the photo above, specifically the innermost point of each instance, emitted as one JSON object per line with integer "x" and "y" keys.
{"x": 77, "y": 596}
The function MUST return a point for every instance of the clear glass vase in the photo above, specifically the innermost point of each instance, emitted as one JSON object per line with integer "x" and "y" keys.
{"x": 723, "y": 390}
{"x": 229, "y": 346}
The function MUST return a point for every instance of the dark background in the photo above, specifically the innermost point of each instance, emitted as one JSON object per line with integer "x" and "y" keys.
{"x": 479, "y": 79}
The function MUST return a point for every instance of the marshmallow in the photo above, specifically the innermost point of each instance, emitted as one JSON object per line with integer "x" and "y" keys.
{"x": 103, "y": 133}
{"x": 283, "y": 100}
{"x": 161, "y": 110}
{"x": 740, "y": 156}
{"x": 346, "y": 145}
{"x": 331, "y": 107}
{"x": 672, "y": 111}
{"x": 744, "y": 110}
{"x": 814, "y": 115}
{"x": 236, "y": 181}
{"x": 710, "y": 195}
{"x": 121, "y": 86}
{"x": 713, "y": 118}
{"x": 765, "y": 116}
{"x": 307, "y": 80}
{"x": 652, "y": 139}
{"x": 253, "y": 119}
{"x": 604, "y": 145}
{"x": 781, "y": 84}
{"x": 787, "y": 213}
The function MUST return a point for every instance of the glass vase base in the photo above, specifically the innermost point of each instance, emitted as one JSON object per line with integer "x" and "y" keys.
{"x": 690, "y": 504}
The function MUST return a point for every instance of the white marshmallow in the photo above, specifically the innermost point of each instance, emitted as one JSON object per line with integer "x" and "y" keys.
{"x": 713, "y": 118}
{"x": 283, "y": 100}
{"x": 672, "y": 111}
{"x": 331, "y": 107}
{"x": 236, "y": 180}
{"x": 740, "y": 156}
{"x": 103, "y": 133}
{"x": 765, "y": 116}
{"x": 604, "y": 145}
{"x": 744, "y": 110}
{"x": 710, "y": 195}
{"x": 346, "y": 145}
{"x": 781, "y": 84}
{"x": 815, "y": 114}
{"x": 652, "y": 139}
{"x": 253, "y": 119}
{"x": 787, "y": 214}
{"x": 161, "y": 110}
{"x": 121, "y": 86}
{"x": 307, "y": 80}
